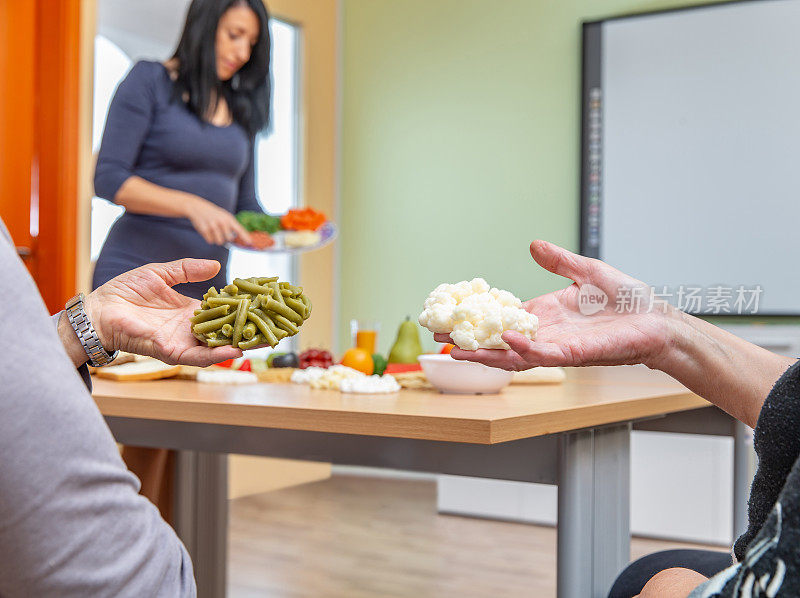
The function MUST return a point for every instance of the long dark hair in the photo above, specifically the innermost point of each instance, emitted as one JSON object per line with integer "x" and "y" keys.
{"x": 248, "y": 92}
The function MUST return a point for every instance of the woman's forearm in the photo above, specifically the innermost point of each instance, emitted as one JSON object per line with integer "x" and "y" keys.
{"x": 215, "y": 224}
{"x": 140, "y": 196}
{"x": 722, "y": 368}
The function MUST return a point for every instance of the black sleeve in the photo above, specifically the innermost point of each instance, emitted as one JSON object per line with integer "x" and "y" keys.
{"x": 769, "y": 552}
{"x": 777, "y": 444}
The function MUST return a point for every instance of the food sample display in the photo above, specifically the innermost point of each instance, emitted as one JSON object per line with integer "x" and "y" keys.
{"x": 251, "y": 313}
{"x": 345, "y": 379}
{"x": 298, "y": 230}
{"x": 475, "y": 315}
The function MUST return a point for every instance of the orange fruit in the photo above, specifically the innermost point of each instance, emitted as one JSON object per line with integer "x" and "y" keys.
{"x": 446, "y": 349}
{"x": 359, "y": 359}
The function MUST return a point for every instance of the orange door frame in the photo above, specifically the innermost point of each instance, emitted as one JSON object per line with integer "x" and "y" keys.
{"x": 40, "y": 74}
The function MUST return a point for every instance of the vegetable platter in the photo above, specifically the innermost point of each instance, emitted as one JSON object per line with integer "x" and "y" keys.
{"x": 297, "y": 231}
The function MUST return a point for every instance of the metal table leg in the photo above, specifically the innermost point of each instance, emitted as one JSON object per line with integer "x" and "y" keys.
{"x": 744, "y": 468}
{"x": 201, "y": 517}
{"x": 593, "y": 510}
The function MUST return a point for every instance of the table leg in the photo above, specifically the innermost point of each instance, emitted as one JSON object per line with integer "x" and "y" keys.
{"x": 201, "y": 517}
{"x": 744, "y": 460}
{"x": 593, "y": 510}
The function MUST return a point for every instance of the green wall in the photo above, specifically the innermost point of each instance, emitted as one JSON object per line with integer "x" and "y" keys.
{"x": 460, "y": 145}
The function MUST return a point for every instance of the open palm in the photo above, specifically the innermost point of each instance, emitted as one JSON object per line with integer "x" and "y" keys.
{"x": 625, "y": 331}
{"x": 139, "y": 312}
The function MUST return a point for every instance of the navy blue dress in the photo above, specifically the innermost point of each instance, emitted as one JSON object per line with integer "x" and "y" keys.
{"x": 160, "y": 140}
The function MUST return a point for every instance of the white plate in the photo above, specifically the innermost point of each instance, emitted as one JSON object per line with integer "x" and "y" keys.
{"x": 327, "y": 232}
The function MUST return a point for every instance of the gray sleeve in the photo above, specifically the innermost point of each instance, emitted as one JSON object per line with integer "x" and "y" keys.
{"x": 71, "y": 520}
{"x": 83, "y": 371}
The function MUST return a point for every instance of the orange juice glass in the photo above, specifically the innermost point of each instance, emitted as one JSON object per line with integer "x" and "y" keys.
{"x": 365, "y": 334}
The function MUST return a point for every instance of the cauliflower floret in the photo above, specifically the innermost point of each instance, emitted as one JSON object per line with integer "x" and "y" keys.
{"x": 472, "y": 309}
{"x": 488, "y": 333}
{"x": 476, "y": 315}
{"x": 463, "y": 335}
{"x": 505, "y": 298}
{"x": 438, "y": 309}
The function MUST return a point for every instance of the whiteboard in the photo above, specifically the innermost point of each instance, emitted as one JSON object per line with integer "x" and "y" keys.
{"x": 700, "y": 150}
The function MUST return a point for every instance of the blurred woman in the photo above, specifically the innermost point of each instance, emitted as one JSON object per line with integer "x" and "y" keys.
{"x": 177, "y": 153}
{"x": 178, "y": 147}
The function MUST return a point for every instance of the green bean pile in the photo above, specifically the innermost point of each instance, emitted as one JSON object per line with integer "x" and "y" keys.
{"x": 251, "y": 313}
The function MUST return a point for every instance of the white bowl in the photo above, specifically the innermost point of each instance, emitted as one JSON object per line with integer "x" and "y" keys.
{"x": 463, "y": 377}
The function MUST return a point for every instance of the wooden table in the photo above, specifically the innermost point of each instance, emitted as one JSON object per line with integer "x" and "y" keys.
{"x": 575, "y": 435}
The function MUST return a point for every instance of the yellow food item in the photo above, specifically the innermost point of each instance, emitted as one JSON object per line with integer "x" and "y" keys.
{"x": 359, "y": 359}
{"x": 413, "y": 380}
{"x": 301, "y": 238}
{"x": 276, "y": 375}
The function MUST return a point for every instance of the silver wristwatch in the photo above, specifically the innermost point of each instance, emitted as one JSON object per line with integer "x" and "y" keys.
{"x": 98, "y": 356}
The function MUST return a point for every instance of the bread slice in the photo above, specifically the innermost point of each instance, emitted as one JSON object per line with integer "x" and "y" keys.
{"x": 146, "y": 369}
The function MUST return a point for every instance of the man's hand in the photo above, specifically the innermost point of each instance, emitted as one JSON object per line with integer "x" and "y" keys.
{"x": 567, "y": 337}
{"x": 139, "y": 312}
{"x": 672, "y": 583}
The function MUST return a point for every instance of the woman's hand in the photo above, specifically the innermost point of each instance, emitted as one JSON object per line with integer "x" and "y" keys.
{"x": 139, "y": 312}
{"x": 574, "y": 331}
{"x": 569, "y": 334}
{"x": 216, "y": 225}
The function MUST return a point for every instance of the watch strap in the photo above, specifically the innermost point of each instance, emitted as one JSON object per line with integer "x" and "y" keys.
{"x": 76, "y": 313}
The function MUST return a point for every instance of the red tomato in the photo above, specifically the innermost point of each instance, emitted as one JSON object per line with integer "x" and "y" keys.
{"x": 245, "y": 366}
{"x": 225, "y": 364}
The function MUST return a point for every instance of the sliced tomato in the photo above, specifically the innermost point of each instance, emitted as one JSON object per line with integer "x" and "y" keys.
{"x": 245, "y": 366}
{"x": 261, "y": 240}
{"x": 225, "y": 364}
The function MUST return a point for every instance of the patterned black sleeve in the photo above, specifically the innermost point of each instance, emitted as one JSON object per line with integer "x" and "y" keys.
{"x": 769, "y": 551}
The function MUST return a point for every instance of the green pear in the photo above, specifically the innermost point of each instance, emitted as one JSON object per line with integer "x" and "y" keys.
{"x": 407, "y": 347}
